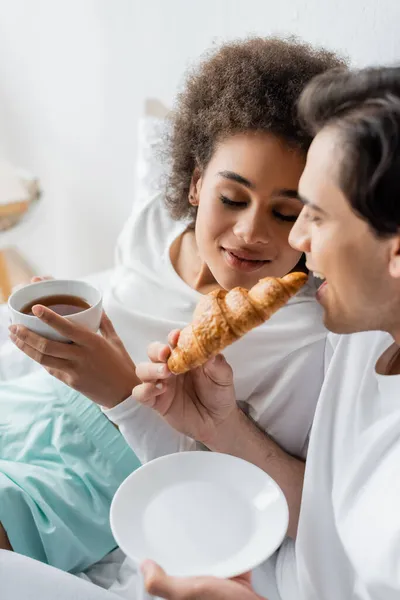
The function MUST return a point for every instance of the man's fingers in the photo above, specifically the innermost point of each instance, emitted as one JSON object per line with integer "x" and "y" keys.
{"x": 173, "y": 338}
{"x": 155, "y": 579}
{"x": 158, "y": 352}
{"x": 152, "y": 372}
{"x": 219, "y": 371}
{"x": 146, "y": 393}
{"x": 26, "y": 337}
{"x": 70, "y": 330}
{"x": 245, "y": 578}
{"x": 158, "y": 583}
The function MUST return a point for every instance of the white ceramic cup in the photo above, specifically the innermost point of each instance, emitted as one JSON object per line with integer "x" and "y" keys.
{"x": 89, "y": 318}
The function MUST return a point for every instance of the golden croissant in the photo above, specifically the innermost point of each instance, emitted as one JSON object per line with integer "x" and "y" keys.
{"x": 221, "y": 318}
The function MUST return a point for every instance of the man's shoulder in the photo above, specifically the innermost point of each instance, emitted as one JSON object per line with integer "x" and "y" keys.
{"x": 360, "y": 340}
{"x": 343, "y": 348}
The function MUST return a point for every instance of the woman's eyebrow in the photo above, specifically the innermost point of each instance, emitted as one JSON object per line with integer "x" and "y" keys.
{"x": 232, "y": 176}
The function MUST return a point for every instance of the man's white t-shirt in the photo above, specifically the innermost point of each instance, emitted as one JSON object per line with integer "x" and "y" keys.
{"x": 348, "y": 543}
{"x": 278, "y": 367}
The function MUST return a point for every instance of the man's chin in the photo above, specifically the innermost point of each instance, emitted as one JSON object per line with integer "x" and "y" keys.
{"x": 338, "y": 324}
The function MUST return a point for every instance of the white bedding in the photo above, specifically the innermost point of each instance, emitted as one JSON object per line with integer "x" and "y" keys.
{"x": 114, "y": 573}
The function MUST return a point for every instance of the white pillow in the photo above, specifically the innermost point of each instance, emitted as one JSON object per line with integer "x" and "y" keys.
{"x": 150, "y": 169}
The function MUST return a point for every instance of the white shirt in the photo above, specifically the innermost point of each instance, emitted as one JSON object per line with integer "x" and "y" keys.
{"x": 348, "y": 544}
{"x": 278, "y": 367}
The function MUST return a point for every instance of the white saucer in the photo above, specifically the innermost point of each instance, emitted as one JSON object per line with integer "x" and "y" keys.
{"x": 199, "y": 513}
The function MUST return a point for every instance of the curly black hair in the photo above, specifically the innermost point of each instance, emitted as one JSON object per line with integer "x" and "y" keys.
{"x": 247, "y": 85}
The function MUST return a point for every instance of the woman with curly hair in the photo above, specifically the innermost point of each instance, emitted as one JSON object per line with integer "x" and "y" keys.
{"x": 236, "y": 152}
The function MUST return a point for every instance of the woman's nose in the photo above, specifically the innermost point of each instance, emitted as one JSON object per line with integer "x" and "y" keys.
{"x": 252, "y": 230}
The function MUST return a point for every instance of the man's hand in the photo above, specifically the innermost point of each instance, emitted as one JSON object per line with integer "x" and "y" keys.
{"x": 196, "y": 403}
{"x": 202, "y": 404}
{"x": 97, "y": 366}
{"x": 158, "y": 583}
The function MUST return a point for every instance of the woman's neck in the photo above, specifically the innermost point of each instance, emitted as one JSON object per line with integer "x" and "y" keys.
{"x": 188, "y": 264}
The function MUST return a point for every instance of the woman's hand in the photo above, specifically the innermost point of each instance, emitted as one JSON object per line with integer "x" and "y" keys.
{"x": 158, "y": 583}
{"x": 196, "y": 403}
{"x": 97, "y": 366}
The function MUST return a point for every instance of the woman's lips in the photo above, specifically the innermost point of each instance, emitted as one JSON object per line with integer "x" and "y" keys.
{"x": 242, "y": 262}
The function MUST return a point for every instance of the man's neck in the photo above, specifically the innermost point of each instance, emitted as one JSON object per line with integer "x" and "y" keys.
{"x": 389, "y": 361}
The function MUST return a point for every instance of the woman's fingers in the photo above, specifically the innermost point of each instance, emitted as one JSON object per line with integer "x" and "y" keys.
{"x": 107, "y": 328}
{"x": 72, "y": 331}
{"x": 45, "y": 360}
{"x": 24, "y": 338}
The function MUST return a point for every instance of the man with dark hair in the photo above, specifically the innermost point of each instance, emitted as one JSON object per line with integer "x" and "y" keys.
{"x": 348, "y": 539}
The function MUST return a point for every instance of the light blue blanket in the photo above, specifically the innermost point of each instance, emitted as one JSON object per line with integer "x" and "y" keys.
{"x": 61, "y": 462}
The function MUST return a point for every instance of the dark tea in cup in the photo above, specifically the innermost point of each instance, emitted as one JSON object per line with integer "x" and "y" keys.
{"x": 62, "y": 304}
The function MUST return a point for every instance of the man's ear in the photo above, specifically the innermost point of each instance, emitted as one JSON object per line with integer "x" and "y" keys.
{"x": 394, "y": 261}
{"x": 195, "y": 186}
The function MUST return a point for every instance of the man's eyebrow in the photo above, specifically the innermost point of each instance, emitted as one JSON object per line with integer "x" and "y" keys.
{"x": 232, "y": 176}
{"x": 306, "y": 202}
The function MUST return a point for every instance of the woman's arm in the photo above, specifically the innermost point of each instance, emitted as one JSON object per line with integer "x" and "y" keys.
{"x": 101, "y": 369}
{"x": 147, "y": 433}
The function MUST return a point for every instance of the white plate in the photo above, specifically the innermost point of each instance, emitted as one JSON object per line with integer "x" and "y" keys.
{"x": 199, "y": 513}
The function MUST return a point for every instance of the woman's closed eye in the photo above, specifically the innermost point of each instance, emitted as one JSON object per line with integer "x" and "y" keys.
{"x": 231, "y": 203}
{"x": 282, "y": 217}
{"x": 236, "y": 205}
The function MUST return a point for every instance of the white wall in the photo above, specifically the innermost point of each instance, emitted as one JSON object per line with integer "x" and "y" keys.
{"x": 74, "y": 75}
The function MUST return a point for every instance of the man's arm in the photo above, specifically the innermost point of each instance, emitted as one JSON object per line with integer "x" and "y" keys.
{"x": 241, "y": 437}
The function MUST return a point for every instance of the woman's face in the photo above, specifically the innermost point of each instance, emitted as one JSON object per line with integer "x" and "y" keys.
{"x": 247, "y": 204}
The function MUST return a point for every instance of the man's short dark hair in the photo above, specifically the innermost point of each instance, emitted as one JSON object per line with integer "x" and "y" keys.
{"x": 364, "y": 107}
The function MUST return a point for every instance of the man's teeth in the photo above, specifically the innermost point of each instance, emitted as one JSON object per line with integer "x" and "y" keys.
{"x": 318, "y": 275}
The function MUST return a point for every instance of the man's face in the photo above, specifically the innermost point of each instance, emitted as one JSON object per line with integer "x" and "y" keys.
{"x": 361, "y": 288}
